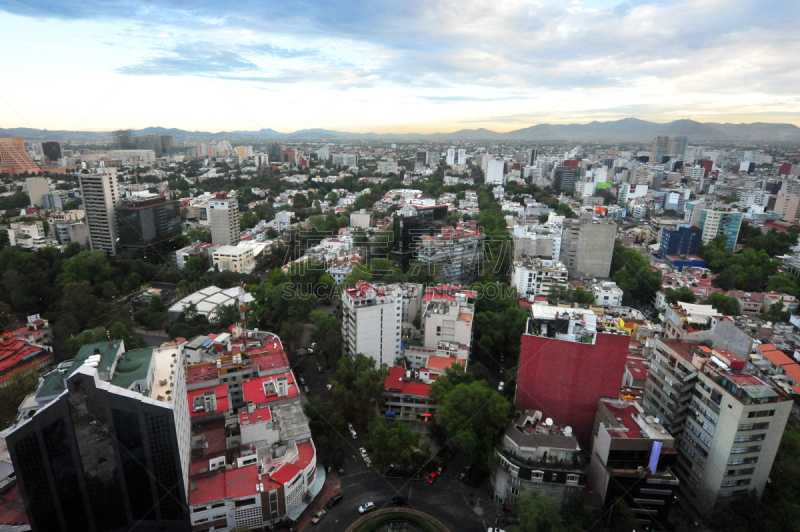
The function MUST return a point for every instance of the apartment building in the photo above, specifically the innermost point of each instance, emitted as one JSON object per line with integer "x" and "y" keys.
{"x": 727, "y": 422}
{"x": 455, "y": 254}
{"x": 223, "y": 216}
{"x": 372, "y": 322}
{"x": 101, "y": 196}
{"x": 587, "y": 247}
{"x": 720, "y": 221}
{"x": 447, "y": 321}
{"x": 234, "y": 259}
{"x": 536, "y": 277}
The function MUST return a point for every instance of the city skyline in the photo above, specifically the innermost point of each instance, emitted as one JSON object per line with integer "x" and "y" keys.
{"x": 420, "y": 67}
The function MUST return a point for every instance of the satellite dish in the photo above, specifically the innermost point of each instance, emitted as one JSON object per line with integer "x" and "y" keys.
{"x": 548, "y": 422}
{"x": 567, "y": 431}
{"x": 656, "y": 421}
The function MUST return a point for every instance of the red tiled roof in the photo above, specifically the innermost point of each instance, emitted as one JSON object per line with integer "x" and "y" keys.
{"x": 16, "y": 353}
{"x": 253, "y": 389}
{"x": 260, "y": 415}
{"x": 286, "y": 473}
{"x": 221, "y": 393}
{"x": 201, "y": 372}
{"x": 441, "y": 363}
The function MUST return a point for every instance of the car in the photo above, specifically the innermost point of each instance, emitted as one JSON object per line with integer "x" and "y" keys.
{"x": 340, "y": 468}
{"x": 329, "y": 387}
{"x": 398, "y": 501}
{"x": 313, "y": 344}
{"x": 318, "y": 516}
{"x": 363, "y": 452}
{"x": 490, "y": 529}
{"x": 501, "y": 386}
{"x": 440, "y": 468}
{"x": 368, "y": 461}
{"x": 302, "y": 380}
{"x": 463, "y": 475}
{"x": 319, "y": 369}
{"x": 305, "y": 389}
{"x": 349, "y": 426}
{"x": 366, "y": 508}
{"x": 333, "y": 501}
{"x": 353, "y": 434}
{"x": 432, "y": 477}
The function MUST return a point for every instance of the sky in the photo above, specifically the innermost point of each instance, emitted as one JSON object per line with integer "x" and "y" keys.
{"x": 394, "y": 66}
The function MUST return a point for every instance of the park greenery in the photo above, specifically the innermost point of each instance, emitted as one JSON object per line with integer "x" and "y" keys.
{"x": 634, "y": 275}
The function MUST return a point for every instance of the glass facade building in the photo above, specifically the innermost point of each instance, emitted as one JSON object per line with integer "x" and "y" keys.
{"x": 148, "y": 227}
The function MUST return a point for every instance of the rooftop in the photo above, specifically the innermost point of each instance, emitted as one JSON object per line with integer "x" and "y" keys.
{"x": 262, "y": 390}
{"x": 132, "y": 366}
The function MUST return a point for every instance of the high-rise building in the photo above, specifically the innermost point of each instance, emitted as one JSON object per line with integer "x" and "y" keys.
{"x": 563, "y": 178}
{"x": 14, "y": 159}
{"x": 462, "y": 156}
{"x": 274, "y": 151}
{"x": 533, "y": 154}
{"x": 148, "y": 228}
{"x": 37, "y": 188}
{"x": 587, "y": 247}
{"x": 567, "y": 363}
{"x": 51, "y": 150}
{"x": 109, "y": 445}
{"x": 421, "y": 161}
{"x": 661, "y": 149}
{"x": 410, "y": 224}
{"x": 535, "y": 277}
{"x": 787, "y": 204}
{"x": 324, "y": 153}
{"x": 720, "y": 221}
{"x": 345, "y": 159}
{"x": 288, "y": 156}
{"x": 680, "y": 241}
{"x": 495, "y": 171}
{"x": 223, "y": 215}
{"x": 678, "y": 146}
{"x": 100, "y": 194}
{"x": 451, "y": 156}
{"x": 455, "y": 254}
{"x": 371, "y": 322}
{"x": 727, "y": 422}
{"x": 123, "y": 139}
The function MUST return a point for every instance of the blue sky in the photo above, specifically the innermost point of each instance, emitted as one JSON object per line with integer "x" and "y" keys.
{"x": 389, "y": 66}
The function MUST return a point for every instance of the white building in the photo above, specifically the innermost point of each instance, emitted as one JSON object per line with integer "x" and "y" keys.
{"x": 223, "y": 215}
{"x": 607, "y": 294}
{"x": 387, "y": 167}
{"x": 495, "y": 171}
{"x": 451, "y": 156}
{"x": 372, "y": 323}
{"x": 345, "y": 159}
{"x": 360, "y": 219}
{"x": 462, "y": 156}
{"x": 100, "y": 197}
{"x": 234, "y": 259}
{"x": 536, "y": 277}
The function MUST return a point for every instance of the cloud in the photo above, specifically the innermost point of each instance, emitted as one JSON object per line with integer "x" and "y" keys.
{"x": 179, "y": 63}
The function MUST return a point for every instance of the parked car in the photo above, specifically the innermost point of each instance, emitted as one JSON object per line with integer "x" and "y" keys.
{"x": 329, "y": 387}
{"x": 333, "y": 501}
{"x": 353, "y": 434}
{"x": 440, "y": 468}
{"x": 319, "y": 369}
{"x": 398, "y": 501}
{"x": 366, "y": 508}
{"x": 340, "y": 468}
{"x": 463, "y": 475}
{"x": 432, "y": 477}
{"x": 350, "y": 426}
{"x": 363, "y": 452}
{"x": 302, "y": 380}
{"x": 305, "y": 389}
{"x": 501, "y": 386}
{"x": 368, "y": 461}
{"x": 317, "y": 516}
{"x": 490, "y": 529}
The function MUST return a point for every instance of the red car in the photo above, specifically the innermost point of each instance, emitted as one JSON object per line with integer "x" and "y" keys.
{"x": 432, "y": 477}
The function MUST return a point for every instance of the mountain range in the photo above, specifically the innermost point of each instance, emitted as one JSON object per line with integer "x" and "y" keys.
{"x": 626, "y": 130}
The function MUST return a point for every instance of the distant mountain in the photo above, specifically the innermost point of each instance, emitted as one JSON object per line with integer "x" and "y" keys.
{"x": 626, "y": 130}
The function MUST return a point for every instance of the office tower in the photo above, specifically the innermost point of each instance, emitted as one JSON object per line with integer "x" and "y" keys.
{"x": 261, "y": 159}
{"x": 223, "y": 215}
{"x": 462, "y": 156}
{"x": 37, "y": 188}
{"x": 727, "y": 422}
{"x": 433, "y": 158}
{"x": 288, "y": 156}
{"x": 633, "y": 457}
{"x": 148, "y": 228}
{"x": 678, "y": 146}
{"x": 567, "y": 364}
{"x": 123, "y": 139}
{"x": 720, "y": 221}
{"x": 421, "y": 161}
{"x": 274, "y": 151}
{"x": 587, "y": 247}
{"x": 100, "y": 455}
{"x": 52, "y": 201}
{"x": 410, "y": 224}
{"x": 14, "y": 159}
{"x": 495, "y": 171}
{"x": 451, "y": 156}
{"x": 100, "y": 194}
{"x": 680, "y": 241}
{"x": 324, "y": 153}
{"x": 787, "y": 204}
{"x": 563, "y": 178}
{"x": 533, "y": 154}
{"x": 371, "y": 324}
{"x": 51, "y": 150}
{"x": 661, "y": 148}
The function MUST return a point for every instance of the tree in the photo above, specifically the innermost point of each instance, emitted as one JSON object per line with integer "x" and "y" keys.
{"x": 132, "y": 283}
{"x": 622, "y": 517}
{"x": 358, "y": 387}
{"x": 327, "y": 427}
{"x": 17, "y": 387}
{"x": 226, "y": 315}
{"x": 472, "y": 415}
{"x": 583, "y": 297}
{"x": 536, "y": 513}
{"x": 394, "y": 445}
{"x": 78, "y": 300}
{"x": 683, "y": 295}
{"x": 725, "y": 305}
{"x": 776, "y": 313}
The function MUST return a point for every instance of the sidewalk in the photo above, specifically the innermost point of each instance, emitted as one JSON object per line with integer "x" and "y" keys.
{"x": 329, "y": 489}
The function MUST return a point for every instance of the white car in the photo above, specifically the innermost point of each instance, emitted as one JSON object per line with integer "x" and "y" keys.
{"x": 350, "y": 427}
{"x": 366, "y": 508}
{"x": 353, "y": 434}
{"x": 363, "y": 452}
{"x": 329, "y": 387}
{"x": 490, "y": 529}
{"x": 500, "y": 389}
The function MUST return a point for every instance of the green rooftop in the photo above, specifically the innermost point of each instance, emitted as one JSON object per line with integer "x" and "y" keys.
{"x": 108, "y": 351}
{"x": 53, "y": 385}
{"x": 132, "y": 366}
